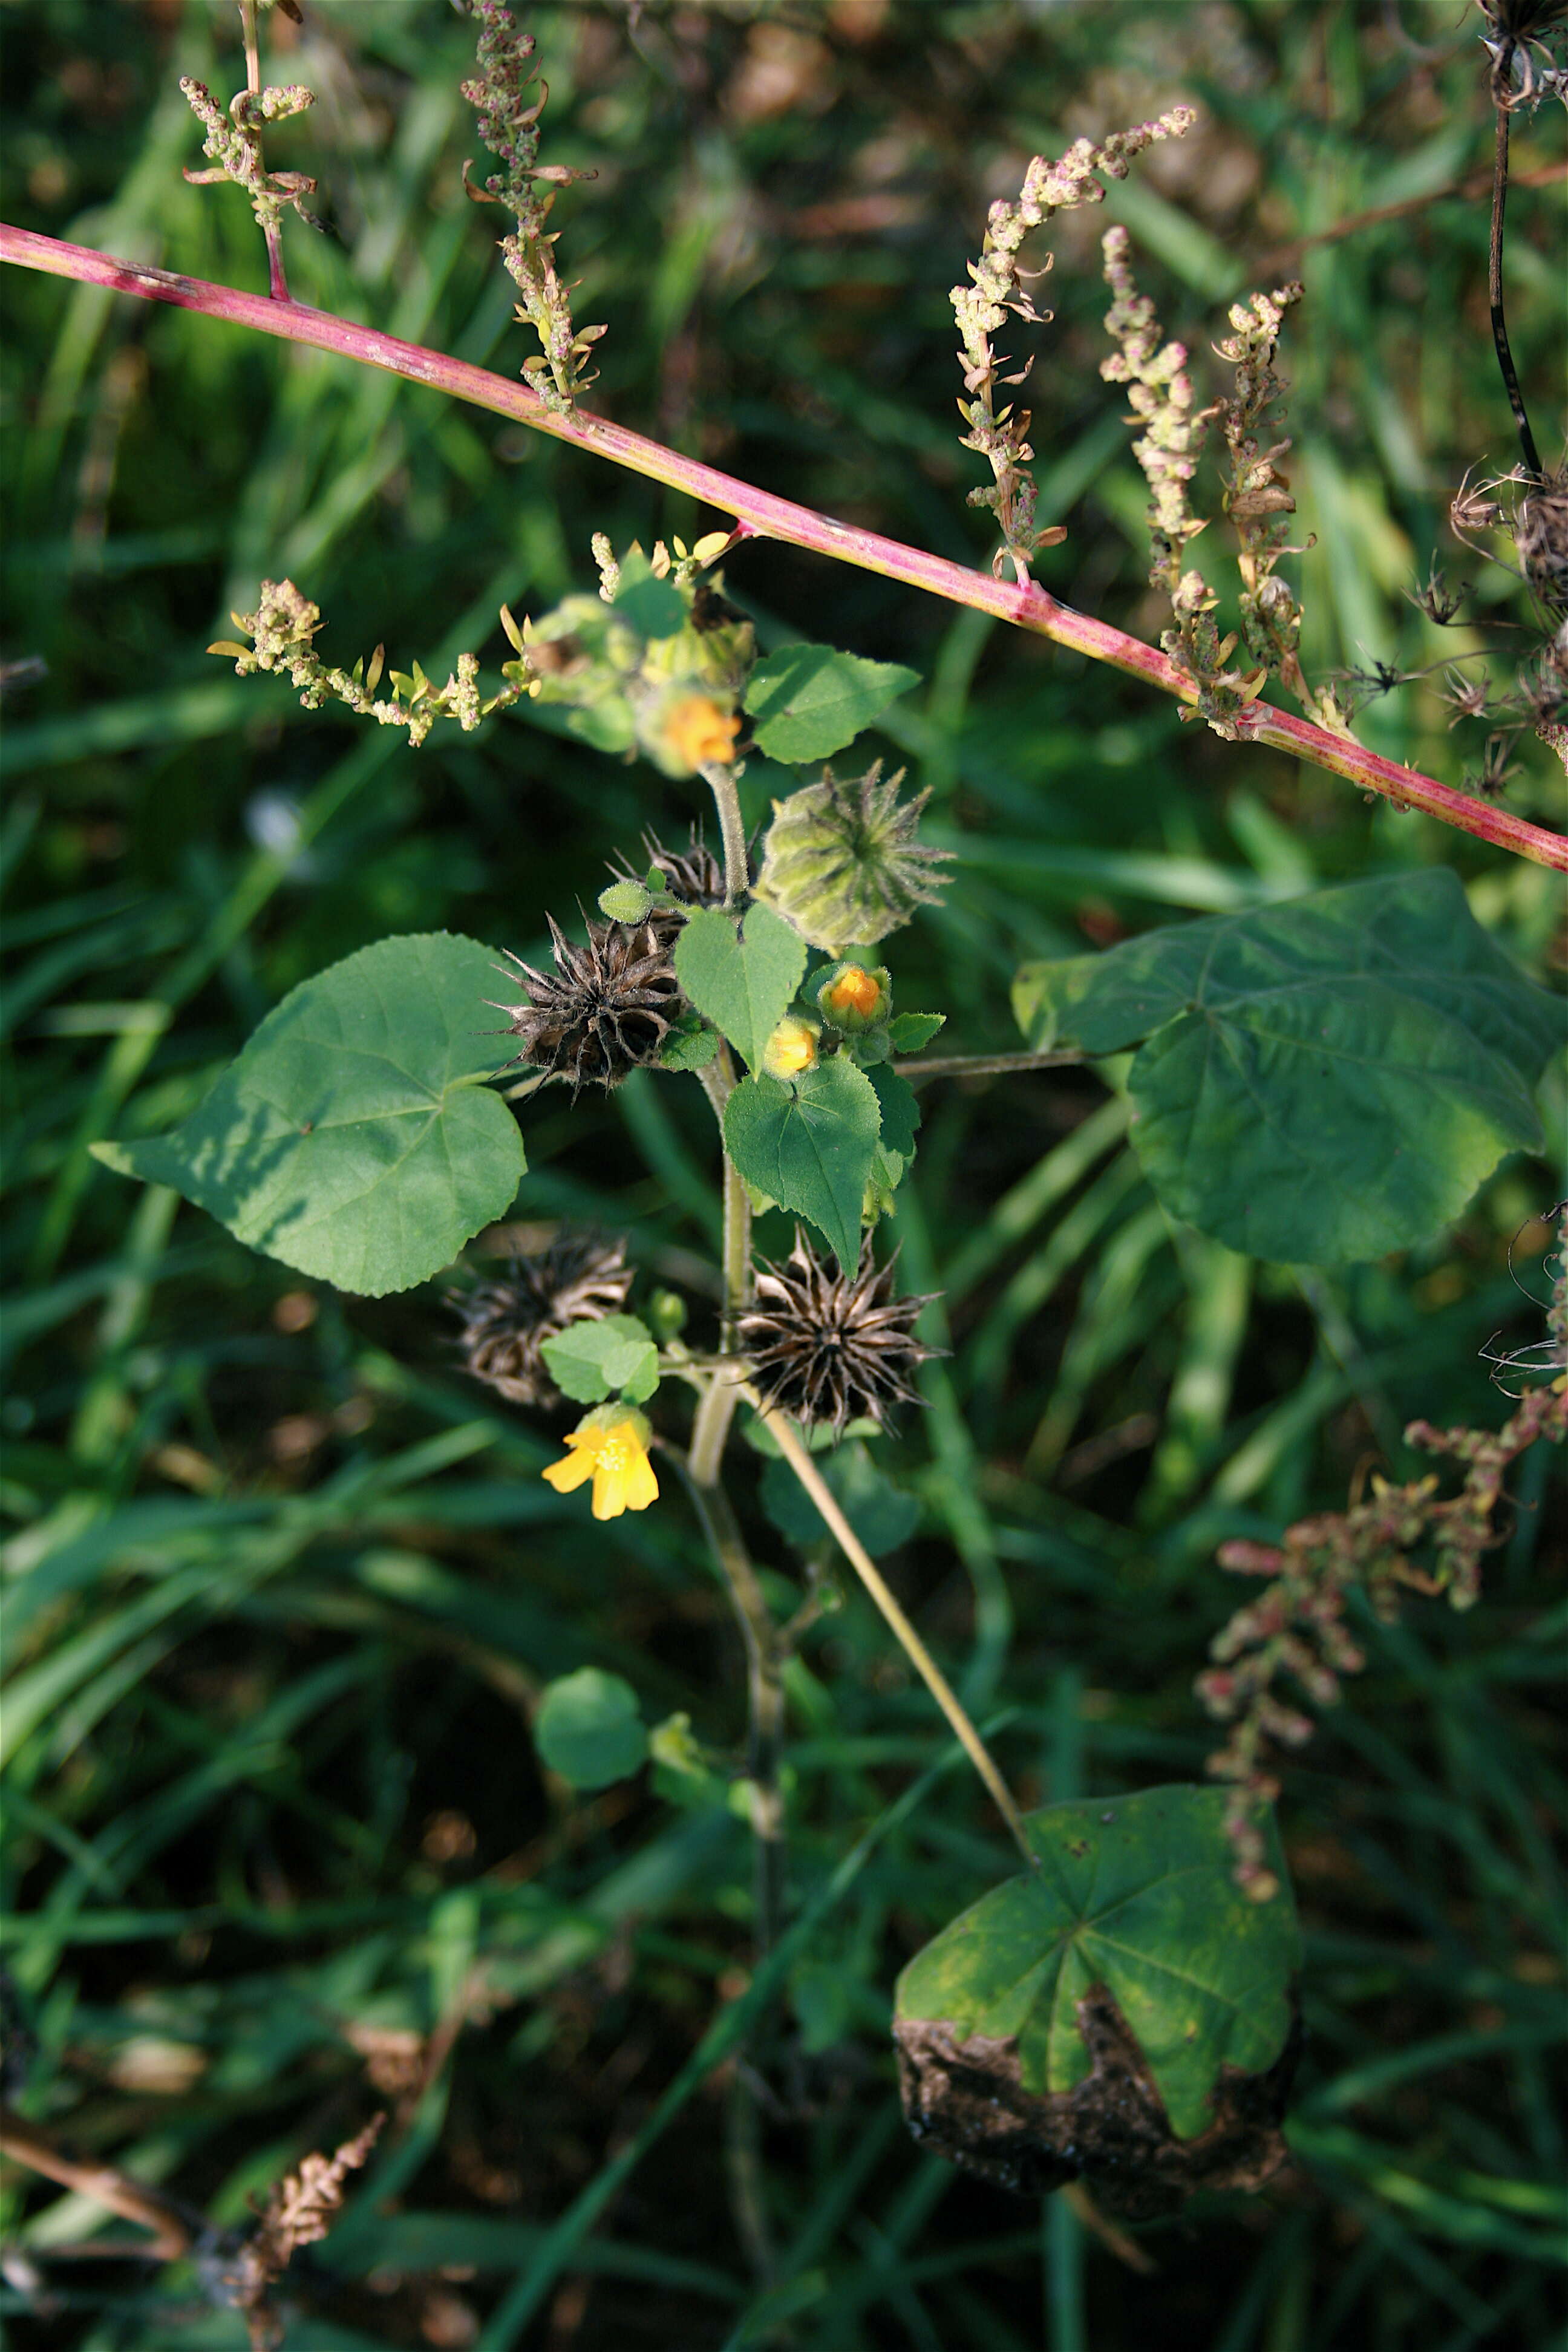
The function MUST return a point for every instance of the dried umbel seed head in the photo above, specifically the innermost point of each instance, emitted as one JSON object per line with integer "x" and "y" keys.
{"x": 603, "y": 1012}
{"x": 841, "y": 862}
{"x": 830, "y": 1347}
{"x": 579, "y": 1278}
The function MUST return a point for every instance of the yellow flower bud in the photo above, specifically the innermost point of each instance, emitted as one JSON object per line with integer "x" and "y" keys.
{"x": 855, "y": 992}
{"x": 790, "y": 1049}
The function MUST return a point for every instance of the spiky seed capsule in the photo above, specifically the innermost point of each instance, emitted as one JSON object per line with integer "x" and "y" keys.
{"x": 830, "y": 1347}
{"x": 579, "y": 1278}
{"x": 841, "y": 862}
{"x": 605, "y": 1011}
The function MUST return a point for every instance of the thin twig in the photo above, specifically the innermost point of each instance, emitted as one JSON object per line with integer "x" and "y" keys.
{"x": 760, "y": 514}
{"x": 919, "y": 1657}
{"x": 173, "y": 2228}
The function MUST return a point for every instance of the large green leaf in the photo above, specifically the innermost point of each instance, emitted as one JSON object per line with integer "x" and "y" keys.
{"x": 809, "y": 701}
{"x": 1137, "y": 1894}
{"x": 350, "y": 1138}
{"x": 809, "y": 1145}
{"x": 1321, "y": 1081}
{"x": 741, "y": 981}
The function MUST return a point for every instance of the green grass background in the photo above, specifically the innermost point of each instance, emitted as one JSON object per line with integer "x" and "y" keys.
{"x": 282, "y": 1584}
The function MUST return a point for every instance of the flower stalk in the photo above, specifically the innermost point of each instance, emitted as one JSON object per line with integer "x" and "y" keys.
{"x": 766, "y": 516}
{"x": 795, "y": 1453}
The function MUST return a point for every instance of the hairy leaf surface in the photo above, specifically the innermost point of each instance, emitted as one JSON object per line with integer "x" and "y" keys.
{"x": 742, "y": 983}
{"x": 350, "y": 1138}
{"x": 1321, "y": 1081}
{"x": 809, "y": 1145}
{"x": 809, "y": 701}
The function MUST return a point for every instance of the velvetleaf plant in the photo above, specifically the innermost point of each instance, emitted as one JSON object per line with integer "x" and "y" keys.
{"x": 1312, "y": 1083}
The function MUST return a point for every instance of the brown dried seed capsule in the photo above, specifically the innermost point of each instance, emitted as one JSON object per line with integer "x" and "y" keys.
{"x": 831, "y": 1348}
{"x": 603, "y": 1012}
{"x": 579, "y": 1278}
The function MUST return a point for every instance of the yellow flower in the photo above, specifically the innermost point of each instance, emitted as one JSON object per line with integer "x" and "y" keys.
{"x": 614, "y": 1455}
{"x": 699, "y": 734}
{"x": 790, "y": 1049}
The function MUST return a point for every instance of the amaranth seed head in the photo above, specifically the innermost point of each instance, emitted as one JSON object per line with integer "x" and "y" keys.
{"x": 603, "y": 1012}
{"x": 831, "y": 1348}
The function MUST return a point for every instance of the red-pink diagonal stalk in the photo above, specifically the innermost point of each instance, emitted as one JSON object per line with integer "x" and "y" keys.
{"x": 761, "y": 515}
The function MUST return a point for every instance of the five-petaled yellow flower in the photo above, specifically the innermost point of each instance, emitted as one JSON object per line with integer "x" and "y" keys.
{"x": 614, "y": 1455}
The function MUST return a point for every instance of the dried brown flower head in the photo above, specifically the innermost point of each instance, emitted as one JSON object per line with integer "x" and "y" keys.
{"x": 830, "y": 1347}
{"x": 579, "y": 1278}
{"x": 603, "y": 1012}
{"x": 300, "y": 2210}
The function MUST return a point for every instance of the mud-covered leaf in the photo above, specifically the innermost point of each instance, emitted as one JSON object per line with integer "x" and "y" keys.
{"x": 1136, "y": 1896}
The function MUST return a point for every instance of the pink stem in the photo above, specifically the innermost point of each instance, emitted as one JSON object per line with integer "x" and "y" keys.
{"x": 761, "y": 515}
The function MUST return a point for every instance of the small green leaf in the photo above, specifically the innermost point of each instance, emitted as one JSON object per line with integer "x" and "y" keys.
{"x": 690, "y": 1044}
{"x": 810, "y": 1146}
{"x": 652, "y": 607}
{"x": 900, "y": 1111}
{"x": 742, "y": 982}
{"x": 1136, "y": 1894}
{"x": 608, "y": 1355}
{"x": 588, "y": 1728}
{"x": 809, "y": 701}
{"x": 1322, "y": 1081}
{"x": 625, "y": 902}
{"x": 349, "y": 1139}
{"x": 908, "y": 1032}
{"x": 881, "y": 1514}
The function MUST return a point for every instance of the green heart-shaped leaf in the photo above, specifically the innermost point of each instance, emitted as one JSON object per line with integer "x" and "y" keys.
{"x": 350, "y": 1138}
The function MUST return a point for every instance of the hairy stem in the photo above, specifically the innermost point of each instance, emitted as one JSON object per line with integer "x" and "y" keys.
{"x": 1494, "y": 288}
{"x": 720, "y": 782}
{"x": 712, "y": 1427}
{"x": 984, "y": 1066}
{"x": 276, "y": 282}
{"x": 764, "y": 1689}
{"x": 759, "y": 1632}
{"x": 914, "y": 1649}
{"x": 765, "y": 516}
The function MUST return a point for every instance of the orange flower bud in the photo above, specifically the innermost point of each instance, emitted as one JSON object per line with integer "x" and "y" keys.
{"x": 698, "y": 734}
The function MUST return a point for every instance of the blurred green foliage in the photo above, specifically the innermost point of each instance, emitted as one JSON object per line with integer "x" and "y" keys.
{"x": 282, "y": 1585}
